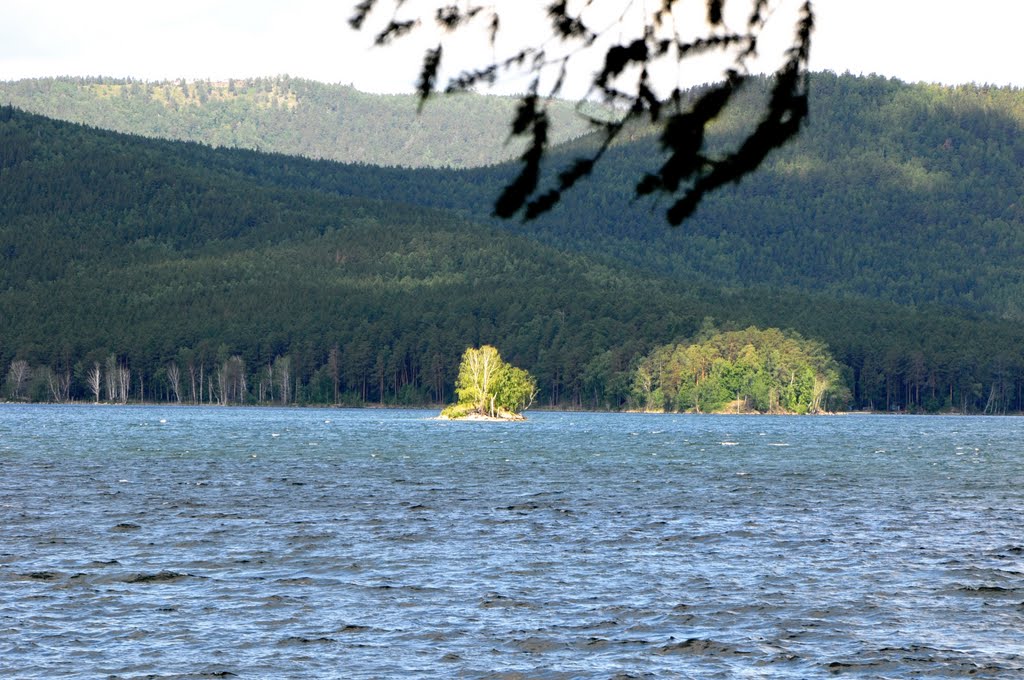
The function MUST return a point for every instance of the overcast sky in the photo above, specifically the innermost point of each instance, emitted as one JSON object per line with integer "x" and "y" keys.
{"x": 944, "y": 41}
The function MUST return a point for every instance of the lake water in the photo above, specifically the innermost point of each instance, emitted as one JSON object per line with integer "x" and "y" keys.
{"x": 288, "y": 543}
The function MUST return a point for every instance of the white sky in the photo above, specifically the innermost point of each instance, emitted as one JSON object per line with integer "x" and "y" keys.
{"x": 945, "y": 41}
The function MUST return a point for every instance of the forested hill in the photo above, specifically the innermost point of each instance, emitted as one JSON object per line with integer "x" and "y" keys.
{"x": 912, "y": 194}
{"x": 906, "y": 193}
{"x": 277, "y": 278}
{"x": 292, "y": 116}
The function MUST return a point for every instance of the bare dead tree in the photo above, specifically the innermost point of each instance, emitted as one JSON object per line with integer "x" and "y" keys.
{"x": 231, "y": 381}
{"x": 94, "y": 378}
{"x": 174, "y": 380}
{"x": 124, "y": 382}
{"x": 59, "y": 384}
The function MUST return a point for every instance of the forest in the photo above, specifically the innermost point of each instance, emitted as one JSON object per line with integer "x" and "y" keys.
{"x": 752, "y": 370}
{"x": 290, "y": 116}
{"x": 138, "y": 269}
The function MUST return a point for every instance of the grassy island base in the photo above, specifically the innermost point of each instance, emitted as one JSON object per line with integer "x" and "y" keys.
{"x": 464, "y": 412}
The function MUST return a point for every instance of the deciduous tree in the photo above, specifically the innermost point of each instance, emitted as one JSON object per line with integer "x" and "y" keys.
{"x": 94, "y": 378}
{"x": 17, "y": 378}
{"x": 486, "y": 385}
{"x": 174, "y": 380}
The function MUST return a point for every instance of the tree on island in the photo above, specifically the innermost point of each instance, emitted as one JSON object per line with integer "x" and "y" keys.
{"x": 751, "y": 370}
{"x": 489, "y": 387}
{"x": 627, "y": 56}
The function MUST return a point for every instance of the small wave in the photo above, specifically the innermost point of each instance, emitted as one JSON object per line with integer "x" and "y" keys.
{"x": 354, "y": 628}
{"x": 297, "y": 581}
{"x": 302, "y": 640}
{"x": 159, "y": 577}
{"x": 700, "y": 646}
{"x": 498, "y": 601}
{"x": 521, "y": 507}
{"x": 102, "y": 563}
{"x": 126, "y": 526}
{"x": 538, "y": 645}
{"x": 42, "y": 575}
{"x": 986, "y": 590}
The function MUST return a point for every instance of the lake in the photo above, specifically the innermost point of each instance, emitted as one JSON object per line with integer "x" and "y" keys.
{"x": 190, "y": 542}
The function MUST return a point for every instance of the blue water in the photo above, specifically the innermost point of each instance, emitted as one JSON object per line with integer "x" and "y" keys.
{"x": 219, "y": 542}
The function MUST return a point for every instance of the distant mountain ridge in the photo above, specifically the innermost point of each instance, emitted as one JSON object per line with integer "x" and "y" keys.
{"x": 893, "y": 230}
{"x": 293, "y": 116}
{"x": 910, "y": 194}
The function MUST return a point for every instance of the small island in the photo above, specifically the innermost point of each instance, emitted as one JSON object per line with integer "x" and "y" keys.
{"x": 746, "y": 371}
{"x": 490, "y": 389}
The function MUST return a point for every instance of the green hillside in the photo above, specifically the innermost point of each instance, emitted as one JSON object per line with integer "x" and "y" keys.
{"x": 278, "y": 278}
{"x": 912, "y": 194}
{"x": 155, "y": 253}
{"x": 292, "y": 116}
{"x": 909, "y": 194}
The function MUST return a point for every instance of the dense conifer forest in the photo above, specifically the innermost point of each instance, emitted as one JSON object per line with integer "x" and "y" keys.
{"x": 141, "y": 269}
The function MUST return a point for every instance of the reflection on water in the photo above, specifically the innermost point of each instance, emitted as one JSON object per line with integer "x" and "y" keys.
{"x": 196, "y": 542}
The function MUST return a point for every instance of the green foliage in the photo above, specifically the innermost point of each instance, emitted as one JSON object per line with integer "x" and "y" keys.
{"x": 767, "y": 371}
{"x": 486, "y": 385}
{"x": 515, "y": 391}
{"x": 871, "y": 233}
{"x": 458, "y": 410}
{"x": 292, "y": 116}
{"x": 904, "y": 193}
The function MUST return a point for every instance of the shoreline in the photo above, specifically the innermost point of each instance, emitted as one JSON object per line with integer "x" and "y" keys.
{"x": 483, "y": 418}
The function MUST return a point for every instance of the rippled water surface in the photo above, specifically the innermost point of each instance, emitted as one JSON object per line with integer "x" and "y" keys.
{"x": 195, "y": 542}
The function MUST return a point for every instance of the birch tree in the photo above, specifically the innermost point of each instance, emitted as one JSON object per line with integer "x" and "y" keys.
{"x": 112, "y": 376}
{"x": 94, "y": 378}
{"x": 477, "y": 375}
{"x": 174, "y": 380}
{"x": 193, "y": 378}
{"x": 17, "y": 377}
{"x": 124, "y": 382}
{"x": 231, "y": 380}
{"x": 486, "y": 385}
{"x": 59, "y": 384}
